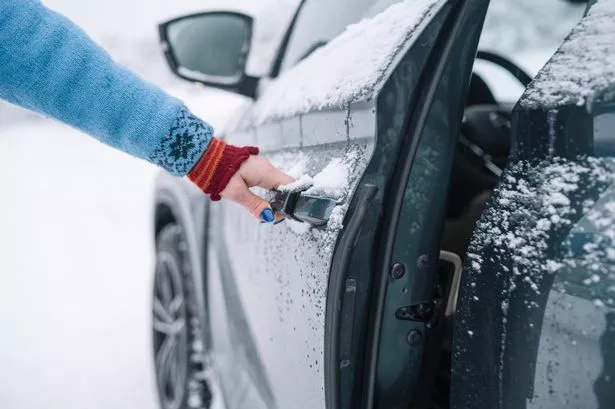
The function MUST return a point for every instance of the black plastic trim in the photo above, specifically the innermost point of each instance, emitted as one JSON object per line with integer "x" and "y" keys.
{"x": 348, "y": 313}
{"x": 335, "y": 292}
{"x": 275, "y": 71}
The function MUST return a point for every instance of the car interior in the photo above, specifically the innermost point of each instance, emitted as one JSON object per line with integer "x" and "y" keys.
{"x": 482, "y": 152}
{"x": 483, "y": 148}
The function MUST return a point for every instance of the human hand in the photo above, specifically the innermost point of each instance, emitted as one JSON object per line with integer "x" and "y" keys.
{"x": 255, "y": 171}
{"x": 230, "y": 171}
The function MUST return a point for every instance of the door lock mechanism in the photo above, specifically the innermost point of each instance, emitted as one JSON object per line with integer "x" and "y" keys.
{"x": 451, "y": 266}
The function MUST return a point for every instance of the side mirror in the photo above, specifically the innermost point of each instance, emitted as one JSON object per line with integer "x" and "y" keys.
{"x": 211, "y": 48}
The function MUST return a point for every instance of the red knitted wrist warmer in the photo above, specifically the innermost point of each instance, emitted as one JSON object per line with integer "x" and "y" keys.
{"x": 217, "y": 165}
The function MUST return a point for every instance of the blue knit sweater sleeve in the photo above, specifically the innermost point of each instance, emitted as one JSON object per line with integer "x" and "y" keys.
{"x": 49, "y": 65}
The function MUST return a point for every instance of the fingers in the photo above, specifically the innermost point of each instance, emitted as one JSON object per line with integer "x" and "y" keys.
{"x": 258, "y": 207}
{"x": 238, "y": 192}
{"x": 258, "y": 171}
{"x": 274, "y": 177}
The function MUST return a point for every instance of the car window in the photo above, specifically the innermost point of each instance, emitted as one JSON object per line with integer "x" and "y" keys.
{"x": 531, "y": 47}
{"x": 321, "y": 20}
{"x": 505, "y": 17}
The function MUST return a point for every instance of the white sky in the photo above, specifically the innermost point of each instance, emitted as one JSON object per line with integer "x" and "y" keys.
{"x": 138, "y": 18}
{"x": 130, "y": 18}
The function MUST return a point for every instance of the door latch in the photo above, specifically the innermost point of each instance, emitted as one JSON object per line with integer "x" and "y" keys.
{"x": 451, "y": 267}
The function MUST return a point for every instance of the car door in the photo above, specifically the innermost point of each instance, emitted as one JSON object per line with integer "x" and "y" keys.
{"x": 372, "y": 114}
{"x": 536, "y": 324}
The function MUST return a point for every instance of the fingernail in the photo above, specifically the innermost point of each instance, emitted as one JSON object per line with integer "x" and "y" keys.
{"x": 267, "y": 215}
{"x": 278, "y": 218}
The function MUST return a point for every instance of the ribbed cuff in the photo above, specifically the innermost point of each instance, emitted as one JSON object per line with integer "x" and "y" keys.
{"x": 217, "y": 165}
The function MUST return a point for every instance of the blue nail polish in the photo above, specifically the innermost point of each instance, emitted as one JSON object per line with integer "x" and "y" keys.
{"x": 267, "y": 216}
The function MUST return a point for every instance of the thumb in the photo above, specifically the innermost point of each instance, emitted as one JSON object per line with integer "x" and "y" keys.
{"x": 256, "y": 205}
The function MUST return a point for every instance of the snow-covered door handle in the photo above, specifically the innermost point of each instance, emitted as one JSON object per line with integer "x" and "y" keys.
{"x": 303, "y": 207}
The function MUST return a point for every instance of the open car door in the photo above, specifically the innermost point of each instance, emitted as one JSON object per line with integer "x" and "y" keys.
{"x": 341, "y": 304}
{"x": 536, "y": 318}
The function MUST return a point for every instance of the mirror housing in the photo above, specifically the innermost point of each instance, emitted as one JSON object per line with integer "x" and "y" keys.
{"x": 211, "y": 48}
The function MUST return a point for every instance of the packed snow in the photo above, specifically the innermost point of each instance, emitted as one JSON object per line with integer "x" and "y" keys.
{"x": 332, "y": 181}
{"x": 304, "y": 182}
{"x": 347, "y": 69}
{"x": 583, "y": 69}
{"x": 335, "y": 180}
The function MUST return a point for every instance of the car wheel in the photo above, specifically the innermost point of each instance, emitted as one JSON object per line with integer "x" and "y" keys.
{"x": 178, "y": 345}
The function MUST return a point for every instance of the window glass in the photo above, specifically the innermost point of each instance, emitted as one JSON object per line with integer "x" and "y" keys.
{"x": 209, "y": 44}
{"x": 321, "y": 20}
{"x": 519, "y": 31}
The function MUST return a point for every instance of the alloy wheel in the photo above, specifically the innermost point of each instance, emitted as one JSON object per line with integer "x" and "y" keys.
{"x": 170, "y": 331}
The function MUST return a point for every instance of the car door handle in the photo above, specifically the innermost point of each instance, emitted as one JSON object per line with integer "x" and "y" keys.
{"x": 303, "y": 207}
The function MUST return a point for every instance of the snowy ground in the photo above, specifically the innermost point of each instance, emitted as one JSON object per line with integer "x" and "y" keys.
{"x": 76, "y": 244}
{"x": 76, "y": 266}
{"x": 75, "y": 233}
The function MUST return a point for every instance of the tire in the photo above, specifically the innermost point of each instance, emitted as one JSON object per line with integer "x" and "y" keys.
{"x": 177, "y": 336}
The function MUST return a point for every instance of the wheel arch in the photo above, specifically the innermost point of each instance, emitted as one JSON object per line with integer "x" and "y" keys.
{"x": 178, "y": 201}
{"x": 163, "y": 216}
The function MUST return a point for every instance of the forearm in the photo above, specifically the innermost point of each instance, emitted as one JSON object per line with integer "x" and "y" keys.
{"x": 51, "y": 66}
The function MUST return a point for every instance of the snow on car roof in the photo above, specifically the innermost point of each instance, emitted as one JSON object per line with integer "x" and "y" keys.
{"x": 349, "y": 68}
{"x": 583, "y": 69}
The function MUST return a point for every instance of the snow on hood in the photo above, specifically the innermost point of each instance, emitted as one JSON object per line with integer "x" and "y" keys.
{"x": 349, "y": 68}
{"x": 583, "y": 69}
